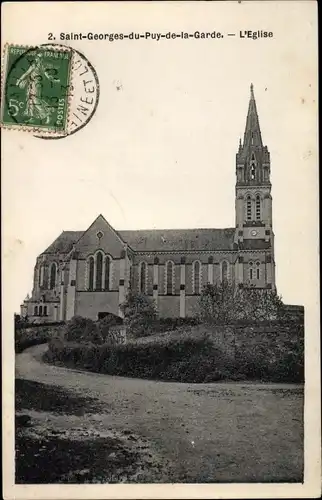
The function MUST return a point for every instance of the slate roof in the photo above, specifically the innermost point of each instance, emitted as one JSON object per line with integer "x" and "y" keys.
{"x": 65, "y": 241}
{"x": 158, "y": 240}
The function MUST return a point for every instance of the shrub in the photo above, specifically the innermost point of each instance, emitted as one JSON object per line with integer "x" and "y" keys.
{"x": 31, "y": 336}
{"x": 140, "y": 314}
{"x": 23, "y": 342}
{"x": 168, "y": 324}
{"x": 82, "y": 329}
{"x": 20, "y": 322}
{"x": 105, "y": 327}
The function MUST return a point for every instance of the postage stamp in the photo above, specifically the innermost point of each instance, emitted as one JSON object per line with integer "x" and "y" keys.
{"x": 36, "y": 88}
{"x": 51, "y": 90}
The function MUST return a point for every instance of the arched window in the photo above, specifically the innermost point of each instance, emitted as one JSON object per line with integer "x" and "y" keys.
{"x": 107, "y": 273}
{"x": 41, "y": 275}
{"x": 248, "y": 208}
{"x": 99, "y": 271}
{"x": 45, "y": 310}
{"x": 196, "y": 277}
{"x": 252, "y": 172}
{"x": 91, "y": 273}
{"x": 224, "y": 272}
{"x": 251, "y": 271}
{"x": 169, "y": 278}
{"x": 258, "y": 207}
{"x": 53, "y": 276}
{"x": 142, "y": 277}
{"x": 40, "y": 310}
{"x": 36, "y": 311}
{"x": 258, "y": 270}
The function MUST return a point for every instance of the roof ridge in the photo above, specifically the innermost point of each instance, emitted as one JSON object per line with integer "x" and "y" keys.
{"x": 157, "y": 229}
{"x": 181, "y": 229}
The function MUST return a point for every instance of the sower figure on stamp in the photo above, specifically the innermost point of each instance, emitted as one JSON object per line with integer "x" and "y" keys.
{"x": 36, "y": 106}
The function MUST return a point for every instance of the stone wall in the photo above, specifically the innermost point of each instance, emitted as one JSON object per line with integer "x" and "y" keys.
{"x": 89, "y": 304}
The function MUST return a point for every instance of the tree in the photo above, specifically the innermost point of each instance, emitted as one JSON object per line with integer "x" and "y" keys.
{"x": 139, "y": 313}
{"x": 260, "y": 304}
{"x": 216, "y": 302}
{"x": 224, "y": 302}
{"x": 20, "y": 322}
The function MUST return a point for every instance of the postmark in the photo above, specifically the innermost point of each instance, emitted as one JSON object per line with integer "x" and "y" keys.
{"x": 51, "y": 90}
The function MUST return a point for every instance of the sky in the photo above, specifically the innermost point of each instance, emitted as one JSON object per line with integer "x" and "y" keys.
{"x": 160, "y": 149}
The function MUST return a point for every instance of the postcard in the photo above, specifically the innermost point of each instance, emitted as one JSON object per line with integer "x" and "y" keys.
{"x": 160, "y": 250}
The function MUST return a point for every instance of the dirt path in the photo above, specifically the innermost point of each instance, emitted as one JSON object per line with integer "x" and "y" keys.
{"x": 214, "y": 432}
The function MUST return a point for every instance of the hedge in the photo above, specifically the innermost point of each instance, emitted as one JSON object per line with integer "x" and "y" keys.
{"x": 185, "y": 359}
{"x": 28, "y": 337}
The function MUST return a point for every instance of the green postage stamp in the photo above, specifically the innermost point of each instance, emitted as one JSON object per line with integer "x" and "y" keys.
{"x": 36, "y": 88}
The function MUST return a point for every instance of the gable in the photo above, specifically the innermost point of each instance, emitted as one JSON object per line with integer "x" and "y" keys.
{"x": 100, "y": 235}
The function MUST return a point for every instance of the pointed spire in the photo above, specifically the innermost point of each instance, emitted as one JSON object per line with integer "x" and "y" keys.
{"x": 252, "y": 136}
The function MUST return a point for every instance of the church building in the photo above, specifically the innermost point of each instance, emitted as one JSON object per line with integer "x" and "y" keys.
{"x": 88, "y": 273}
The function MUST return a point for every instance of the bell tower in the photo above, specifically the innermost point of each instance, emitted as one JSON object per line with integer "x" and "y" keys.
{"x": 253, "y": 204}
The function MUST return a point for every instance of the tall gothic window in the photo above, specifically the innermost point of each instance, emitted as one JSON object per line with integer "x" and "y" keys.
{"x": 40, "y": 310}
{"x": 224, "y": 272}
{"x": 53, "y": 276}
{"x": 99, "y": 268}
{"x": 142, "y": 277}
{"x": 36, "y": 311}
{"x": 169, "y": 276}
{"x": 107, "y": 273}
{"x": 248, "y": 208}
{"x": 196, "y": 277}
{"x": 258, "y": 207}
{"x": 41, "y": 275}
{"x": 251, "y": 271}
{"x": 91, "y": 273}
{"x": 99, "y": 271}
{"x": 258, "y": 270}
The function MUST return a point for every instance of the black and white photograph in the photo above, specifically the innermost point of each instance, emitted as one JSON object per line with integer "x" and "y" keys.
{"x": 160, "y": 250}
